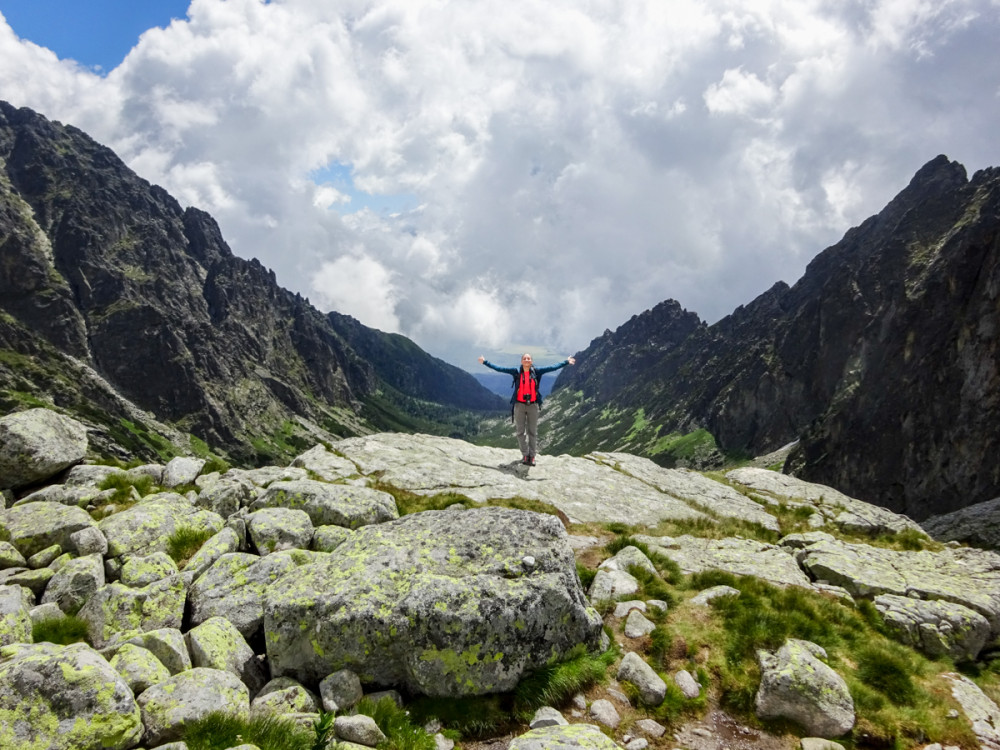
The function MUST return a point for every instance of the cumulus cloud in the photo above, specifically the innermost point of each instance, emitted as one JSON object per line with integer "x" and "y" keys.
{"x": 524, "y": 175}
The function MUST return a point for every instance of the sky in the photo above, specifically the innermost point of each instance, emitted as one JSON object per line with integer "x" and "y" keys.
{"x": 491, "y": 177}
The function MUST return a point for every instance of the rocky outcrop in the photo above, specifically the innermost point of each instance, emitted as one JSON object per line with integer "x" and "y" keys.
{"x": 37, "y": 444}
{"x": 880, "y": 360}
{"x": 452, "y": 603}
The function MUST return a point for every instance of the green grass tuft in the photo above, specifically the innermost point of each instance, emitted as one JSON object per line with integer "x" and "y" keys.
{"x": 220, "y": 730}
{"x": 123, "y": 486}
{"x": 185, "y": 541}
{"x": 60, "y": 630}
{"x": 400, "y": 731}
{"x": 555, "y": 684}
{"x": 888, "y": 670}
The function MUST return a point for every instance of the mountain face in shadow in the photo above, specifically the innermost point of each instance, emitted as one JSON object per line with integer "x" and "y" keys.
{"x": 881, "y": 361}
{"x": 115, "y": 302}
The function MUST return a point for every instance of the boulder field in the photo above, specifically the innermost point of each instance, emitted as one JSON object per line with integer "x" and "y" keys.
{"x": 307, "y": 588}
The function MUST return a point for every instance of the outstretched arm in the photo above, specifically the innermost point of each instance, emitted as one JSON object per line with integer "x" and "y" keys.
{"x": 507, "y": 370}
{"x": 567, "y": 361}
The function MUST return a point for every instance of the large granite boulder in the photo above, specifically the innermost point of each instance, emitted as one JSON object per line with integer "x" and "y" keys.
{"x": 36, "y": 526}
{"x": 172, "y": 704}
{"x": 37, "y": 444}
{"x": 146, "y": 527}
{"x": 217, "y": 644}
{"x": 233, "y": 587}
{"x": 116, "y": 612}
{"x": 330, "y": 504}
{"x": 797, "y": 685}
{"x": 64, "y": 698}
{"x": 938, "y": 628}
{"x": 443, "y": 603}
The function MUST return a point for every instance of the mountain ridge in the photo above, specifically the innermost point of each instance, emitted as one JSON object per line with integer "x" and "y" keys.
{"x": 104, "y": 267}
{"x": 845, "y": 360}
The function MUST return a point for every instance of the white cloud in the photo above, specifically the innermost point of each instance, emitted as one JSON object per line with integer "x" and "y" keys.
{"x": 561, "y": 166}
{"x": 359, "y": 286}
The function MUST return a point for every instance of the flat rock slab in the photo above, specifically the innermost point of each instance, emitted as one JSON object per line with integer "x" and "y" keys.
{"x": 742, "y": 557}
{"x": 834, "y": 506}
{"x": 965, "y": 576}
{"x": 445, "y": 603}
{"x": 585, "y": 490}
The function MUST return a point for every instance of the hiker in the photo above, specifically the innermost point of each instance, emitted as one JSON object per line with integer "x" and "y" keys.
{"x": 526, "y": 401}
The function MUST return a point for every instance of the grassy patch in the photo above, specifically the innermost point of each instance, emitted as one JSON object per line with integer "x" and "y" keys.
{"x": 667, "y": 568}
{"x": 219, "y": 731}
{"x": 553, "y": 685}
{"x": 185, "y": 541}
{"x": 123, "y": 486}
{"x": 410, "y": 502}
{"x": 400, "y": 731}
{"x": 60, "y": 630}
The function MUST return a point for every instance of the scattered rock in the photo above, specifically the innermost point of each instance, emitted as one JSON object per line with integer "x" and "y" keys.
{"x": 634, "y": 669}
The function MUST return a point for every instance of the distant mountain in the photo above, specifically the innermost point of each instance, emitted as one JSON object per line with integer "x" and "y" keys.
{"x": 131, "y": 313}
{"x": 883, "y": 361}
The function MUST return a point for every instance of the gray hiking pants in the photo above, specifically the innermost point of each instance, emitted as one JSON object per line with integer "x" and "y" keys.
{"x": 526, "y": 427}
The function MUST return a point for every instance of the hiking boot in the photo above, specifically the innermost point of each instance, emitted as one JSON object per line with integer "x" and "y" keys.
{"x": 531, "y": 461}
{"x": 526, "y": 460}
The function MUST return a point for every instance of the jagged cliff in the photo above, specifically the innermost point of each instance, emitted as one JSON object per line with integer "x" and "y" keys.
{"x": 881, "y": 360}
{"x": 109, "y": 288}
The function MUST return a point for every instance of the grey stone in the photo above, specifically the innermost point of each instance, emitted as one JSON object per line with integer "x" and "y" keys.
{"x": 796, "y": 685}
{"x": 604, "y": 712}
{"x": 181, "y": 470}
{"x": 10, "y": 557}
{"x": 651, "y": 727}
{"x": 116, "y": 612}
{"x": 37, "y": 444}
{"x": 937, "y": 628}
{"x": 328, "y": 538}
{"x": 612, "y": 584}
{"x": 849, "y": 513}
{"x": 233, "y": 587}
{"x": 88, "y": 541}
{"x": 217, "y": 644}
{"x": 138, "y": 667}
{"x": 636, "y": 626}
{"x": 637, "y": 744}
{"x": 142, "y": 571}
{"x": 330, "y": 504}
{"x": 167, "y": 645}
{"x": 48, "y": 611}
{"x": 360, "y": 729}
{"x": 224, "y": 542}
{"x": 704, "y": 597}
{"x": 454, "y": 612}
{"x": 340, "y": 690}
{"x": 276, "y": 529}
{"x": 546, "y": 716}
{"x": 634, "y": 669}
{"x": 64, "y": 697}
{"x": 75, "y": 583}
{"x": 687, "y": 683}
{"x": 226, "y": 497}
{"x": 15, "y": 616}
{"x": 732, "y": 555}
{"x": 33, "y": 580}
{"x": 324, "y": 464}
{"x": 169, "y": 705}
{"x": 818, "y": 743}
{"x": 977, "y": 525}
{"x": 44, "y": 558}
{"x": 982, "y": 713}
{"x": 622, "y": 609}
{"x": 284, "y": 695}
{"x": 564, "y": 737}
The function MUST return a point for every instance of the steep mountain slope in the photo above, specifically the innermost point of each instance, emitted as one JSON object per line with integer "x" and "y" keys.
{"x": 98, "y": 265}
{"x": 882, "y": 359}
